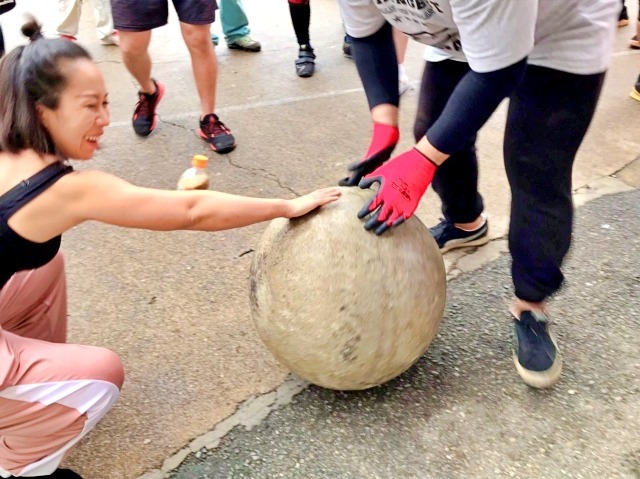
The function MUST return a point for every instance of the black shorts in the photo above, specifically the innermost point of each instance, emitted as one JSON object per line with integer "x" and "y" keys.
{"x": 143, "y": 15}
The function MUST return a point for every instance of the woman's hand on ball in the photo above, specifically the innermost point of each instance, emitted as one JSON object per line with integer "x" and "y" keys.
{"x": 304, "y": 204}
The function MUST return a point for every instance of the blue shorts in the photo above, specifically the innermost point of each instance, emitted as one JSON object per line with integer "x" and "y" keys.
{"x": 143, "y": 15}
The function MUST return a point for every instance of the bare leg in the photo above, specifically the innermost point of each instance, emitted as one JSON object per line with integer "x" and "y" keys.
{"x": 401, "y": 41}
{"x": 42, "y": 422}
{"x": 386, "y": 114}
{"x": 519, "y": 305}
{"x": 474, "y": 225}
{"x": 135, "y": 54}
{"x": 204, "y": 63}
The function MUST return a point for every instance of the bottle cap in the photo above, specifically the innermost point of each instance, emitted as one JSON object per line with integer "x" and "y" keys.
{"x": 199, "y": 161}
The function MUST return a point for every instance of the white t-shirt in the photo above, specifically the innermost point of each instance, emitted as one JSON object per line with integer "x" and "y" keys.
{"x": 574, "y": 36}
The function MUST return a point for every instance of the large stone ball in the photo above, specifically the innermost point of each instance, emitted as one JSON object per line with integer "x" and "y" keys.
{"x": 341, "y": 307}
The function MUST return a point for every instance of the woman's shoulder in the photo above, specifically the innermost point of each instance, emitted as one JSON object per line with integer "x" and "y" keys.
{"x": 22, "y": 166}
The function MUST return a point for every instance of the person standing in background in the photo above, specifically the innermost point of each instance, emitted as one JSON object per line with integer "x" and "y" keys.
{"x": 68, "y": 20}
{"x": 235, "y": 27}
{"x": 623, "y": 18}
{"x": 634, "y": 42}
{"x": 300, "y": 11}
{"x": 135, "y": 20}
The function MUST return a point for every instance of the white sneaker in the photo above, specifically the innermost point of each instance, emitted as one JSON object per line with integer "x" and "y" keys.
{"x": 112, "y": 39}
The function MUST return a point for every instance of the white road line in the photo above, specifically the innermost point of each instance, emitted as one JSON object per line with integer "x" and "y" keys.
{"x": 250, "y": 106}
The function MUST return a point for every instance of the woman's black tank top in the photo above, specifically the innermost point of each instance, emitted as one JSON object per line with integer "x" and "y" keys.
{"x": 18, "y": 253}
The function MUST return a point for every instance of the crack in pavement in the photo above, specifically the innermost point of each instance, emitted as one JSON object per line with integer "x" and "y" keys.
{"x": 255, "y": 171}
{"x": 182, "y": 127}
{"x": 269, "y": 175}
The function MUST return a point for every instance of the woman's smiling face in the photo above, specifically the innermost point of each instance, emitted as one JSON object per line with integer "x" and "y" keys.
{"x": 78, "y": 122}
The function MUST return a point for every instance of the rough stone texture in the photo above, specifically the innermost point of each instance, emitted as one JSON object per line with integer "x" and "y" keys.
{"x": 341, "y": 307}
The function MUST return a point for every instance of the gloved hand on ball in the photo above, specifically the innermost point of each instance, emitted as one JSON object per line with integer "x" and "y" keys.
{"x": 403, "y": 180}
{"x": 383, "y": 141}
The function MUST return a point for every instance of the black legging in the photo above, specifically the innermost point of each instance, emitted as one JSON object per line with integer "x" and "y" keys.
{"x": 300, "y": 11}
{"x": 549, "y": 114}
{"x": 1, "y": 43}
{"x": 456, "y": 181}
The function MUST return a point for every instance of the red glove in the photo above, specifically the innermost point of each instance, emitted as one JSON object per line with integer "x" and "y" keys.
{"x": 383, "y": 141}
{"x": 403, "y": 181}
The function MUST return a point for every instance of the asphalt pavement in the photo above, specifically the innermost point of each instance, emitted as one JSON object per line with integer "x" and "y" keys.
{"x": 462, "y": 411}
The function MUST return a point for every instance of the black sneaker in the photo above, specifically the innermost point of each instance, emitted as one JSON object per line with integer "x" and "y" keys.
{"x": 217, "y": 134}
{"x": 623, "y": 18}
{"x": 449, "y": 236}
{"x": 536, "y": 354}
{"x": 305, "y": 63}
{"x": 346, "y": 47}
{"x": 144, "y": 115}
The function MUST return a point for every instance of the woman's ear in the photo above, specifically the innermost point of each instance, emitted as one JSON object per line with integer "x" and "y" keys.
{"x": 44, "y": 114}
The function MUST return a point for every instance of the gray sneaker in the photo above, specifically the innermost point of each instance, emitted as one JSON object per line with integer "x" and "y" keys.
{"x": 246, "y": 44}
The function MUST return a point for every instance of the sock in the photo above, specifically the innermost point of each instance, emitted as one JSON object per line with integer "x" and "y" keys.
{"x": 484, "y": 220}
{"x": 401, "y": 71}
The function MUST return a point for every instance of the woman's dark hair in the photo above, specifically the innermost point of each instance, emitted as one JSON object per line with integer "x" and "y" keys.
{"x": 31, "y": 75}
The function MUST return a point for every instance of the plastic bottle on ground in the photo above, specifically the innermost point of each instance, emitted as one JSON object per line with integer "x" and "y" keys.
{"x": 196, "y": 177}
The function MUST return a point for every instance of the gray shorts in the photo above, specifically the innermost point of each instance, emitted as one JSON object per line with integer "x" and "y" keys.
{"x": 143, "y": 15}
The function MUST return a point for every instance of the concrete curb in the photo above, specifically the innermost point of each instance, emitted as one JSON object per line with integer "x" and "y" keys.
{"x": 249, "y": 414}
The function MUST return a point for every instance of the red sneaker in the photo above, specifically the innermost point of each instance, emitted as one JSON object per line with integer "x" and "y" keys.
{"x": 217, "y": 134}
{"x": 144, "y": 115}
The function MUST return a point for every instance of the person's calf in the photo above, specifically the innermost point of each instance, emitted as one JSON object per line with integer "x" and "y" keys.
{"x": 474, "y": 225}
{"x": 520, "y": 305}
{"x": 134, "y": 48}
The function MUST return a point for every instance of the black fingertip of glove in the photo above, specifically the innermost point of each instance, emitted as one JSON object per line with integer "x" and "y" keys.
{"x": 348, "y": 181}
{"x": 356, "y": 176}
{"x": 385, "y": 226}
{"x": 370, "y": 225}
{"x": 381, "y": 229}
{"x": 373, "y": 222}
{"x": 398, "y": 222}
{"x": 367, "y": 182}
{"x": 365, "y": 209}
